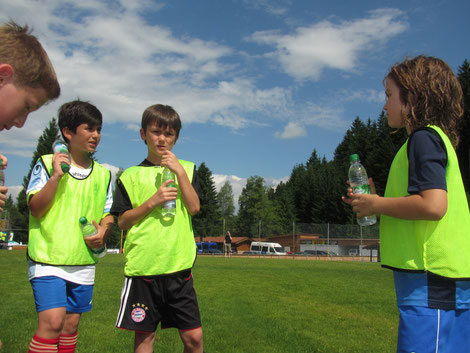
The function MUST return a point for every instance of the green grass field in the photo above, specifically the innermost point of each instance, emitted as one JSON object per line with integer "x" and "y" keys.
{"x": 247, "y": 305}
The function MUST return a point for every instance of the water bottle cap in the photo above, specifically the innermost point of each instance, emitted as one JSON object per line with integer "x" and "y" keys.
{"x": 353, "y": 157}
{"x": 83, "y": 220}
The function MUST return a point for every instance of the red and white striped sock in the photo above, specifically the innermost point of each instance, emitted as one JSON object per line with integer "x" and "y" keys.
{"x": 68, "y": 343}
{"x": 43, "y": 345}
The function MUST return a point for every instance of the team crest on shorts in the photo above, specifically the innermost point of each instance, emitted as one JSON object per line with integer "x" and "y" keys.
{"x": 139, "y": 312}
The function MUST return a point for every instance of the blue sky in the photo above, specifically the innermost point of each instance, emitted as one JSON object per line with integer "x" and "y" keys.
{"x": 258, "y": 84}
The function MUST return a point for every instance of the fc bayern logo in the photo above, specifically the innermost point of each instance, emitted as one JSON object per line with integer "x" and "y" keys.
{"x": 138, "y": 314}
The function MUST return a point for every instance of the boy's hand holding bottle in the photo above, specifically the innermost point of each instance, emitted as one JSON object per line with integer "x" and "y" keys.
{"x": 61, "y": 159}
{"x": 96, "y": 241}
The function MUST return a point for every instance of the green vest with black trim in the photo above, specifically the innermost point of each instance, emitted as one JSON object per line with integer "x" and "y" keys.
{"x": 157, "y": 245}
{"x": 56, "y": 237}
{"x": 440, "y": 247}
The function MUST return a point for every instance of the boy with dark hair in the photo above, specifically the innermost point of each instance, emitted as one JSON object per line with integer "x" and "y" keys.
{"x": 160, "y": 251}
{"x": 61, "y": 264}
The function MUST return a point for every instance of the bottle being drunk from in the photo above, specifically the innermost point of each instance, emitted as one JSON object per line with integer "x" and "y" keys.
{"x": 359, "y": 183}
{"x": 89, "y": 229}
{"x": 169, "y": 207}
{"x": 59, "y": 146}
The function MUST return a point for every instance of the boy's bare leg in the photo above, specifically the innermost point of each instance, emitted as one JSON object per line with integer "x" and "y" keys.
{"x": 50, "y": 323}
{"x": 192, "y": 340}
{"x": 143, "y": 342}
{"x": 71, "y": 323}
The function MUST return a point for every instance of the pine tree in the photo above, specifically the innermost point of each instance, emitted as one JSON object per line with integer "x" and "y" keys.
{"x": 207, "y": 221}
{"x": 226, "y": 207}
{"x": 256, "y": 215}
{"x": 44, "y": 146}
{"x": 284, "y": 207}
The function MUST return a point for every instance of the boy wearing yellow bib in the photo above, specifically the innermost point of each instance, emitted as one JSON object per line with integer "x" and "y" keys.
{"x": 425, "y": 220}
{"x": 61, "y": 264}
{"x": 160, "y": 250}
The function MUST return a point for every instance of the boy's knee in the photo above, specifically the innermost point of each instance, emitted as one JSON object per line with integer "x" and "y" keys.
{"x": 54, "y": 324}
{"x": 192, "y": 338}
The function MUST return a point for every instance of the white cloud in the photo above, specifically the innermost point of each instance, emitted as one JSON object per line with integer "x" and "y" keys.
{"x": 14, "y": 191}
{"x": 291, "y": 130}
{"x": 309, "y": 51}
{"x": 109, "y": 54}
{"x": 270, "y": 6}
{"x": 365, "y": 95}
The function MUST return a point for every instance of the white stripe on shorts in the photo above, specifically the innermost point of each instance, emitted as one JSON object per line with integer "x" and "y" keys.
{"x": 438, "y": 328}
{"x": 124, "y": 295}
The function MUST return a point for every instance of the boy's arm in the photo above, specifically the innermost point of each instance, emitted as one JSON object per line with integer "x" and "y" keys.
{"x": 189, "y": 195}
{"x": 41, "y": 202}
{"x": 426, "y": 205}
{"x": 130, "y": 217}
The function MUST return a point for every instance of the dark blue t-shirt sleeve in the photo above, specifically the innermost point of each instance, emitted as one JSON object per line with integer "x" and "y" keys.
{"x": 427, "y": 160}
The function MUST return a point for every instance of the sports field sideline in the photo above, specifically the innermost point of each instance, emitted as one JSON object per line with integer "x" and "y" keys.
{"x": 247, "y": 305}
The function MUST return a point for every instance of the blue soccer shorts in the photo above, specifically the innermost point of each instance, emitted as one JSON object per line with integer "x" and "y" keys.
{"x": 426, "y": 330}
{"x": 54, "y": 292}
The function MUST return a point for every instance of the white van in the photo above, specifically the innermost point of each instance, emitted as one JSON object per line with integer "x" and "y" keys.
{"x": 267, "y": 248}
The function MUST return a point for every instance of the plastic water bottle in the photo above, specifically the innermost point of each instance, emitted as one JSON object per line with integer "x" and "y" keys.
{"x": 359, "y": 183}
{"x": 169, "y": 207}
{"x": 2, "y": 174}
{"x": 59, "y": 146}
{"x": 89, "y": 229}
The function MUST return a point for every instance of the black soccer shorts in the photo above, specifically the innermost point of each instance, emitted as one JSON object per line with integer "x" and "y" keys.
{"x": 169, "y": 299}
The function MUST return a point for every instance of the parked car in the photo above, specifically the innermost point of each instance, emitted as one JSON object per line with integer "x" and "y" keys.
{"x": 211, "y": 251}
{"x": 316, "y": 252}
{"x": 250, "y": 253}
{"x": 302, "y": 253}
{"x": 353, "y": 252}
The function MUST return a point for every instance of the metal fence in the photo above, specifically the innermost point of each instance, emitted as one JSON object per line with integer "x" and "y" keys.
{"x": 331, "y": 230}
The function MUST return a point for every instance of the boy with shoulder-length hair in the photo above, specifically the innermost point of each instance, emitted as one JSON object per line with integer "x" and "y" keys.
{"x": 61, "y": 263}
{"x": 160, "y": 251}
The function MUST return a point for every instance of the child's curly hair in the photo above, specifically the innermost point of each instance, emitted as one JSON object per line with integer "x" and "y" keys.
{"x": 433, "y": 94}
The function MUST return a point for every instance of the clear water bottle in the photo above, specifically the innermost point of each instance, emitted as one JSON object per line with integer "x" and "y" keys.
{"x": 89, "y": 229}
{"x": 359, "y": 183}
{"x": 2, "y": 174}
{"x": 59, "y": 146}
{"x": 169, "y": 207}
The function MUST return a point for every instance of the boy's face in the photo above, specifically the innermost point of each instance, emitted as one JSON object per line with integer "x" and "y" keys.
{"x": 158, "y": 139}
{"x": 17, "y": 102}
{"x": 85, "y": 139}
{"x": 393, "y": 105}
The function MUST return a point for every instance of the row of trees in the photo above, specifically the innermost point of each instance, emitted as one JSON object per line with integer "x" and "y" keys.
{"x": 311, "y": 195}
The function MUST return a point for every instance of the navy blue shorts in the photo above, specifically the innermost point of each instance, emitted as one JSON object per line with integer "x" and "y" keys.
{"x": 54, "y": 292}
{"x": 169, "y": 300}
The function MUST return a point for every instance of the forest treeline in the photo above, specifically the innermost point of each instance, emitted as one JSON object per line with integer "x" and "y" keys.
{"x": 312, "y": 194}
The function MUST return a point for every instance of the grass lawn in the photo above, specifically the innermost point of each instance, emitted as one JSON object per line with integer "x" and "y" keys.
{"x": 247, "y": 305}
